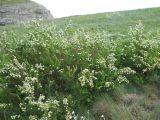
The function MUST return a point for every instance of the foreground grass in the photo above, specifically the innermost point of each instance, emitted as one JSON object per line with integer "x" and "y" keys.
{"x": 128, "y": 103}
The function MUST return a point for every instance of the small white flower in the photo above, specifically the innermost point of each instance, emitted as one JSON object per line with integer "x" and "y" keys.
{"x": 65, "y": 101}
{"x": 108, "y": 84}
{"x": 82, "y": 118}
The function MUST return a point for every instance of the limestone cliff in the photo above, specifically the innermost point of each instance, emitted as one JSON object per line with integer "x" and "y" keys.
{"x": 23, "y": 12}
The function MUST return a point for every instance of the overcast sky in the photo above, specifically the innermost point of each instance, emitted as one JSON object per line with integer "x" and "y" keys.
{"x": 62, "y": 8}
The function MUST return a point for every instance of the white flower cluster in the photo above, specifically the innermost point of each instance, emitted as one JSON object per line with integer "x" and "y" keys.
{"x": 28, "y": 87}
{"x": 108, "y": 84}
{"x": 4, "y": 105}
{"x": 15, "y": 117}
{"x": 39, "y": 67}
{"x": 126, "y": 70}
{"x": 14, "y": 70}
{"x": 111, "y": 62}
{"x": 122, "y": 79}
{"x": 87, "y": 77}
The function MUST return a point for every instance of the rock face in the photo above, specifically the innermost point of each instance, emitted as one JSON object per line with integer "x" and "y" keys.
{"x": 23, "y": 12}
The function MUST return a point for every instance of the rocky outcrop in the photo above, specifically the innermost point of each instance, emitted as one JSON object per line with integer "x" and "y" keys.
{"x": 23, "y": 12}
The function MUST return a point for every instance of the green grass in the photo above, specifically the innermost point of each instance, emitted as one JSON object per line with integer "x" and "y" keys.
{"x": 116, "y": 21}
{"x": 129, "y": 103}
{"x": 10, "y": 2}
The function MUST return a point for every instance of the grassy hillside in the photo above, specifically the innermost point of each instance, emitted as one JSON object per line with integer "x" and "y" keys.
{"x": 81, "y": 68}
{"x": 117, "y": 21}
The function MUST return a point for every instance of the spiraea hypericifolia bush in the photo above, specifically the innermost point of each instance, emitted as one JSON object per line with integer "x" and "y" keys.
{"x": 52, "y": 71}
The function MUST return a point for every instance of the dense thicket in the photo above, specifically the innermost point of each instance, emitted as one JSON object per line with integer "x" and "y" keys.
{"x": 50, "y": 72}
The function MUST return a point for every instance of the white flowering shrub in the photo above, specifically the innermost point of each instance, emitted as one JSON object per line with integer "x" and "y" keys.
{"x": 51, "y": 72}
{"x": 140, "y": 51}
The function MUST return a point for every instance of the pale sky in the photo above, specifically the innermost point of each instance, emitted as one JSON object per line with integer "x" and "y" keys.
{"x": 63, "y": 8}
